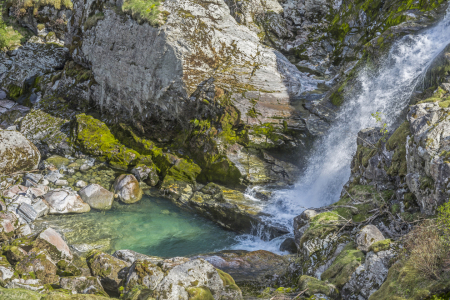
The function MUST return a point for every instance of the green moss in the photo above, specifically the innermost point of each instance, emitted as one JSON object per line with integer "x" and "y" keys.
{"x": 199, "y": 293}
{"x": 380, "y": 246}
{"x": 344, "y": 265}
{"x": 397, "y": 143}
{"x": 144, "y": 11}
{"x": 184, "y": 171}
{"x": 426, "y": 183}
{"x": 316, "y": 286}
{"x": 404, "y": 282}
{"x": 227, "y": 280}
{"x": 95, "y": 138}
{"x": 14, "y": 91}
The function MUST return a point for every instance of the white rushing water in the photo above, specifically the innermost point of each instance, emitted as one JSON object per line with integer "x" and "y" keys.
{"x": 328, "y": 168}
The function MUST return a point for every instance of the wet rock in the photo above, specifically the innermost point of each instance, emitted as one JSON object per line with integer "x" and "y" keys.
{"x": 17, "y": 153}
{"x": 131, "y": 256}
{"x": 367, "y": 236}
{"x": 109, "y": 269}
{"x": 288, "y": 245}
{"x": 63, "y": 201}
{"x": 147, "y": 174}
{"x": 127, "y": 188}
{"x": 257, "y": 268}
{"x": 53, "y": 176}
{"x": 369, "y": 276}
{"x": 52, "y": 237}
{"x": 97, "y": 197}
{"x": 301, "y": 224}
{"x": 61, "y": 182}
{"x": 83, "y": 285}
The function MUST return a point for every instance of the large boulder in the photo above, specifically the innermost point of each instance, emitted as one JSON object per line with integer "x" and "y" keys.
{"x": 63, "y": 201}
{"x": 97, "y": 196}
{"x": 37, "y": 265}
{"x": 196, "y": 278}
{"x": 53, "y": 238}
{"x": 367, "y": 236}
{"x": 17, "y": 153}
{"x": 128, "y": 189}
{"x": 144, "y": 273}
{"x": 109, "y": 269}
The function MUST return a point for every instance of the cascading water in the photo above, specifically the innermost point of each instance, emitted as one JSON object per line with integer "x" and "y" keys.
{"x": 388, "y": 91}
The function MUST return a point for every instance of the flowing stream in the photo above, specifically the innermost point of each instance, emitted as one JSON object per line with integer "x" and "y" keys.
{"x": 387, "y": 91}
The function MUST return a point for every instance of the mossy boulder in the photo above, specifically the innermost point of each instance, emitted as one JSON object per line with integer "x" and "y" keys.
{"x": 36, "y": 266}
{"x": 93, "y": 137}
{"x": 17, "y": 153}
{"x": 143, "y": 274}
{"x": 83, "y": 285}
{"x": 344, "y": 265}
{"x": 381, "y": 246}
{"x": 109, "y": 269}
{"x": 315, "y": 286}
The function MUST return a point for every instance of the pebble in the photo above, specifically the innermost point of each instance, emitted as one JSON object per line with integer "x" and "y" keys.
{"x": 61, "y": 182}
{"x": 81, "y": 184}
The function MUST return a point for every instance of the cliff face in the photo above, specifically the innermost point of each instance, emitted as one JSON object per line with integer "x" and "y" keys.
{"x": 188, "y": 68}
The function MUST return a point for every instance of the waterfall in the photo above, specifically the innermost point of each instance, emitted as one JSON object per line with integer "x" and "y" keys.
{"x": 387, "y": 91}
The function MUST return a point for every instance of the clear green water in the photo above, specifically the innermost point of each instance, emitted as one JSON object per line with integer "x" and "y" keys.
{"x": 151, "y": 226}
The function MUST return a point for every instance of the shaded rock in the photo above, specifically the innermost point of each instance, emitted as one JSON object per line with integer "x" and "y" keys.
{"x": 27, "y": 212}
{"x": 367, "y": 236}
{"x": 128, "y": 189}
{"x": 65, "y": 201}
{"x": 17, "y": 153}
{"x": 369, "y": 276}
{"x": 301, "y": 224}
{"x": 288, "y": 245}
{"x": 6, "y": 270}
{"x": 147, "y": 174}
{"x": 97, "y": 197}
{"x": 257, "y": 268}
{"x": 109, "y": 269}
{"x": 54, "y": 238}
{"x": 83, "y": 285}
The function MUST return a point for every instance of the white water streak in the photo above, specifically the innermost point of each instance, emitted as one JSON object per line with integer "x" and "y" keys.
{"x": 388, "y": 91}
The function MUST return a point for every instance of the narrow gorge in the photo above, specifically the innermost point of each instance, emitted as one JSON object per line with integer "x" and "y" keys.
{"x": 255, "y": 149}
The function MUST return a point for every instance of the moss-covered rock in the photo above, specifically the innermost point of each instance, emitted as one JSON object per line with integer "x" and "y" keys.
{"x": 94, "y": 138}
{"x": 109, "y": 269}
{"x": 344, "y": 265}
{"x": 381, "y": 246}
{"x": 315, "y": 286}
{"x": 36, "y": 266}
{"x": 17, "y": 153}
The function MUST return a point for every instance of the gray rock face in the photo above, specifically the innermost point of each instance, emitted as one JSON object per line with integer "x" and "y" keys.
{"x": 166, "y": 66}
{"x": 426, "y": 155}
{"x": 32, "y": 60}
{"x": 367, "y": 236}
{"x": 17, "y": 153}
{"x": 128, "y": 189}
{"x": 144, "y": 273}
{"x": 301, "y": 223}
{"x": 369, "y": 276}
{"x": 97, "y": 196}
{"x": 45, "y": 131}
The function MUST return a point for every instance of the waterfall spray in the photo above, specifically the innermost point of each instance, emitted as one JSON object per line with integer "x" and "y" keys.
{"x": 388, "y": 91}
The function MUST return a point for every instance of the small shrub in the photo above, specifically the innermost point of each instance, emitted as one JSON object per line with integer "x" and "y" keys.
{"x": 143, "y": 10}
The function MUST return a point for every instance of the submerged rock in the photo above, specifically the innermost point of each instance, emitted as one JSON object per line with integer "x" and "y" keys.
{"x": 17, "y": 153}
{"x": 128, "y": 189}
{"x": 97, "y": 197}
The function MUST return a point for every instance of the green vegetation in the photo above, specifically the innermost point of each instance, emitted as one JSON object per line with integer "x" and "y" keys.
{"x": 316, "y": 286}
{"x": 344, "y": 265}
{"x": 397, "y": 143}
{"x": 144, "y": 11}
{"x": 92, "y": 20}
